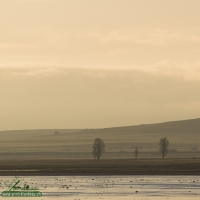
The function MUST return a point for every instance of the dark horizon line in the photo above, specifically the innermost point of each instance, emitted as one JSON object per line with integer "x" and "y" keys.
{"x": 37, "y": 129}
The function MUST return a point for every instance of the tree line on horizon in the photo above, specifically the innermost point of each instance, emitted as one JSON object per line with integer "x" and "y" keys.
{"x": 98, "y": 148}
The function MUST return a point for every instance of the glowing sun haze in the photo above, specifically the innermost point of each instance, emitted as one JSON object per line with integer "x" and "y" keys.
{"x": 91, "y": 63}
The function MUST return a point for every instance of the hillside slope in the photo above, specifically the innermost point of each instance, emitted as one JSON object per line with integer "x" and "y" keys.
{"x": 182, "y": 135}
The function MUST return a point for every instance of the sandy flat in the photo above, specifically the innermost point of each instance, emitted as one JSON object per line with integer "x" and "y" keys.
{"x": 110, "y": 187}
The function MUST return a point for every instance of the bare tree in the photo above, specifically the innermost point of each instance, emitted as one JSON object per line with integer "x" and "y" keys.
{"x": 136, "y": 152}
{"x": 98, "y": 148}
{"x": 164, "y": 143}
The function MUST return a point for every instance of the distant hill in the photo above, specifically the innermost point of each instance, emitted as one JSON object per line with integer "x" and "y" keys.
{"x": 179, "y": 131}
{"x": 183, "y": 136}
{"x": 35, "y": 132}
{"x": 183, "y": 126}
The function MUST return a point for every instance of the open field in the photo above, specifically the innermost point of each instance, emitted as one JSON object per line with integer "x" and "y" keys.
{"x": 183, "y": 136}
{"x": 51, "y": 167}
{"x": 68, "y": 151}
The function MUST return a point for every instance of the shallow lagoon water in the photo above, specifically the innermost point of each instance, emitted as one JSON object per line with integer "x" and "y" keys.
{"x": 111, "y": 187}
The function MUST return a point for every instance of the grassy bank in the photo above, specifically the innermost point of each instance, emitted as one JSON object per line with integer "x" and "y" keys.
{"x": 66, "y": 167}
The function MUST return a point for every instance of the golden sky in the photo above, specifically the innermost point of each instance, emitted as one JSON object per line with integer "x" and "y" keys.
{"x": 92, "y": 63}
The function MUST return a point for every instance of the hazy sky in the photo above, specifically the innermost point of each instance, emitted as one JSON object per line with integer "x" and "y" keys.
{"x": 98, "y": 63}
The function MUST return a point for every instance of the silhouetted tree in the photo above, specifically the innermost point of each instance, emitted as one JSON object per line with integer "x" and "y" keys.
{"x": 164, "y": 143}
{"x": 136, "y": 152}
{"x": 98, "y": 148}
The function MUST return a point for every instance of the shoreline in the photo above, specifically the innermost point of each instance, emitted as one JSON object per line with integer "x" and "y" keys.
{"x": 64, "y": 167}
